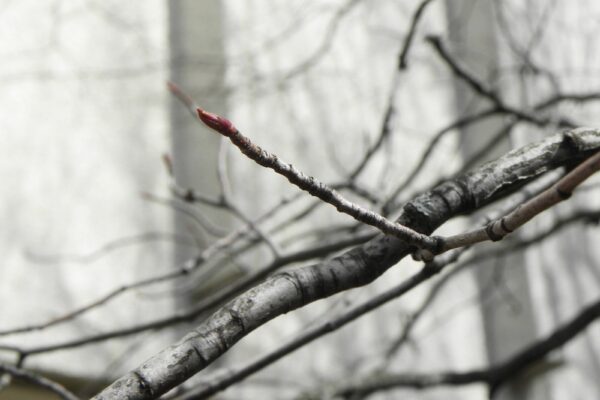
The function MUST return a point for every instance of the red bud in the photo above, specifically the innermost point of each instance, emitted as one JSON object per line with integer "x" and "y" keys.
{"x": 219, "y": 124}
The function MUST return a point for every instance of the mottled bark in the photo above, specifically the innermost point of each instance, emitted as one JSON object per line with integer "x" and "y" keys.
{"x": 289, "y": 290}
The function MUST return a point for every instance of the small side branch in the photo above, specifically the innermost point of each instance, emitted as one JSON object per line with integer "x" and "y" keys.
{"x": 428, "y": 245}
{"x": 494, "y": 376}
{"x": 402, "y": 63}
{"x": 38, "y": 380}
{"x": 497, "y": 229}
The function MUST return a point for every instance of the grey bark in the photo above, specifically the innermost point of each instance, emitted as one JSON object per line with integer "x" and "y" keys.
{"x": 289, "y": 290}
{"x": 506, "y": 328}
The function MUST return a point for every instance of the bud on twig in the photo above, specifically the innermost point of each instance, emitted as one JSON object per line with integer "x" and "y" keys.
{"x": 218, "y": 123}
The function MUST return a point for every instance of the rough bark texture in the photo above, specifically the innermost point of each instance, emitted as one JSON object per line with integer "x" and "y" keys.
{"x": 287, "y": 291}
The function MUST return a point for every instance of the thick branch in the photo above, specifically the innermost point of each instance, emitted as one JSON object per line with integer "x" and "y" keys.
{"x": 289, "y": 290}
{"x": 223, "y": 379}
{"x": 499, "y": 228}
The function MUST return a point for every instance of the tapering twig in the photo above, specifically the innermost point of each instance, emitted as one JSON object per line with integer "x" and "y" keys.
{"x": 477, "y": 85}
{"x": 402, "y": 63}
{"x": 204, "y": 305}
{"x": 428, "y": 245}
{"x": 313, "y": 186}
{"x": 185, "y": 269}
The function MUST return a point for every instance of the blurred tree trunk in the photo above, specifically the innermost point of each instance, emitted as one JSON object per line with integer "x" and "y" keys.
{"x": 503, "y": 283}
{"x": 546, "y": 39}
{"x": 197, "y": 64}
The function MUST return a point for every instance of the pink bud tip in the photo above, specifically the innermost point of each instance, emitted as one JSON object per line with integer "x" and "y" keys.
{"x": 219, "y": 124}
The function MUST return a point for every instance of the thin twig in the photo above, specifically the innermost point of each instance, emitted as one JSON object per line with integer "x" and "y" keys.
{"x": 494, "y": 376}
{"x": 185, "y": 269}
{"x": 402, "y": 63}
{"x": 391, "y": 204}
{"x": 499, "y": 228}
{"x": 313, "y": 186}
{"x": 477, "y": 85}
{"x": 326, "y": 42}
{"x": 389, "y": 112}
{"x": 38, "y": 380}
{"x": 384, "y": 132}
{"x": 205, "y": 305}
{"x": 108, "y": 247}
{"x": 94, "y": 304}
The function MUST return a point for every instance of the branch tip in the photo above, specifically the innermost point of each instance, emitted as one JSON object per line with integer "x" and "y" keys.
{"x": 222, "y": 125}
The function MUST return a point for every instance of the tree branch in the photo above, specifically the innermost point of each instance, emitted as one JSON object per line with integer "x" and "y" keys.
{"x": 313, "y": 186}
{"x": 500, "y": 227}
{"x": 493, "y": 376}
{"x": 223, "y": 379}
{"x": 38, "y": 380}
{"x": 359, "y": 266}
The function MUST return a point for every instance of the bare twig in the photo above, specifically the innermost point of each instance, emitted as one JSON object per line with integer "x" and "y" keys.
{"x": 38, "y": 380}
{"x": 326, "y": 42}
{"x": 313, "y": 186}
{"x": 383, "y": 133}
{"x": 493, "y": 376}
{"x": 389, "y": 112}
{"x": 297, "y": 287}
{"x": 113, "y": 245}
{"x": 391, "y": 204}
{"x": 94, "y": 304}
{"x": 205, "y": 305}
{"x": 186, "y": 268}
{"x": 478, "y": 86}
{"x": 199, "y": 219}
{"x": 402, "y": 63}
